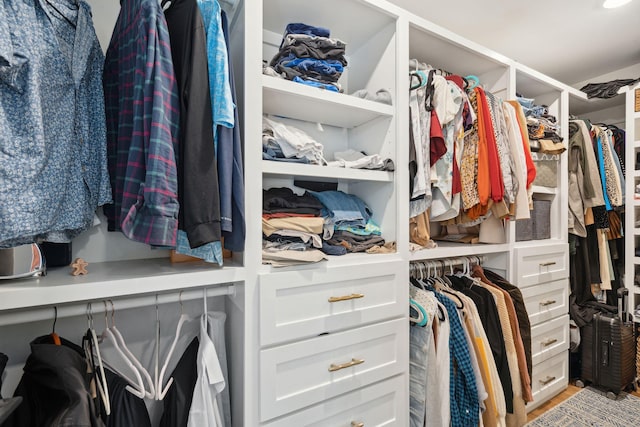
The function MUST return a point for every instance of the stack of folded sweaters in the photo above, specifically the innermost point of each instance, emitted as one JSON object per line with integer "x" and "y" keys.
{"x": 302, "y": 229}
{"x": 309, "y": 56}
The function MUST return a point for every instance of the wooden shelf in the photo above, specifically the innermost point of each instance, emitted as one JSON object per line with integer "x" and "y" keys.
{"x": 277, "y": 169}
{"x": 297, "y": 101}
{"x": 113, "y": 279}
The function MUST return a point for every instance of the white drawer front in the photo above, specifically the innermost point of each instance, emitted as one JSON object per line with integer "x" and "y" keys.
{"x": 296, "y": 375}
{"x": 539, "y": 264}
{"x": 549, "y": 378}
{"x": 304, "y": 304}
{"x": 547, "y": 301}
{"x": 550, "y": 338}
{"x": 380, "y": 404}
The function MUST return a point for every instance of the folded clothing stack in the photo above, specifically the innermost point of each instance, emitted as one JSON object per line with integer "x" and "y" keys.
{"x": 286, "y": 143}
{"x": 309, "y": 56}
{"x": 348, "y": 225}
{"x": 302, "y": 229}
{"x": 291, "y": 228}
{"x": 543, "y": 128}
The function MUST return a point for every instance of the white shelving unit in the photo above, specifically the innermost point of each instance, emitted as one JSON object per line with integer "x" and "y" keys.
{"x": 279, "y": 358}
{"x": 632, "y": 239}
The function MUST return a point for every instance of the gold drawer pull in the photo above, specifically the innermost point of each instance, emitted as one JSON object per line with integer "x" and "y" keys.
{"x": 353, "y": 362}
{"x": 548, "y": 342}
{"x": 355, "y": 424}
{"x": 547, "y": 264}
{"x": 547, "y": 380}
{"x": 548, "y": 302}
{"x": 346, "y": 297}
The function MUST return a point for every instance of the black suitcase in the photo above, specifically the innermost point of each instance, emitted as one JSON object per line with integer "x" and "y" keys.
{"x": 608, "y": 349}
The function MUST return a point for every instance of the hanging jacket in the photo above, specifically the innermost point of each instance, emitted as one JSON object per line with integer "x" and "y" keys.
{"x": 199, "y": 214}
{"x": 55, "y": 388}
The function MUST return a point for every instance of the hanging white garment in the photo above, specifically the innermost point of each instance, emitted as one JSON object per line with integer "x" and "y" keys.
{"x": 442, "y": 205}
{"x": 438, "y": 397}
{"x": 206, "y": 405}
{"x": 520, "y": 165}
{"x": 420, "y": 125}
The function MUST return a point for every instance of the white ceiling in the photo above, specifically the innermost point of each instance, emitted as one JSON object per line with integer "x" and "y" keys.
{"x": 570, "y": 40}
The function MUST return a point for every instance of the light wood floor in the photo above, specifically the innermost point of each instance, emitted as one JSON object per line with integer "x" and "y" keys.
{"x": 570, "y": 391}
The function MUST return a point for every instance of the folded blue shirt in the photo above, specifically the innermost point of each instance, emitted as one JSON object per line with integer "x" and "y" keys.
{"x": 314, "y": 83}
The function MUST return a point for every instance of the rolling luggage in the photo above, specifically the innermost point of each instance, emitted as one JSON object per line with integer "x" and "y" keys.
{"x": 608, "y": 350}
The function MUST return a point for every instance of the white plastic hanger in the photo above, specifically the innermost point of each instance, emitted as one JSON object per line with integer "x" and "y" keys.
{"x": 103, "y": 389}
{"x": 149, "y": 387}
{"x": 136, "y": 386}
{"x": 161, "y": 391}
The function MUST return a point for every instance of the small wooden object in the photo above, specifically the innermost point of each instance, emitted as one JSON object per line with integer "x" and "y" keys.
{"x": 637, "y": 103}
{"x": 79, "y": 266}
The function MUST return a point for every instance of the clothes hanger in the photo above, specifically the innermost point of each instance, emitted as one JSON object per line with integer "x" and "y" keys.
{"x": 90, "y": 345}
{"x": 420, "y": 81}
{"x": 422, "y": 318}
{"x": 135, "y": 386}
{"x": 54, "y": 336}
{"x": 149, "y": 387}
{"x": 161, "y": 391}
{"x": 474, "y": 81}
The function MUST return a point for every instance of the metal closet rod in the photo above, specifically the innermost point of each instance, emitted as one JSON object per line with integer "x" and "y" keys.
{"x": 79, "y": 308}
{"x": 442, "y": 263}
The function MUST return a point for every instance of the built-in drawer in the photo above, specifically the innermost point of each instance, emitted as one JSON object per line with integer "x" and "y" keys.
{"x": 546, "y": 301}
{"x": 380, "y": 404}
{"x": 549, "y": 339}
{"x": 549, "y": 378}
{"x": 539, "y": 264}
{"x": 306, "y": 303}
{"x": 293, "y": 376}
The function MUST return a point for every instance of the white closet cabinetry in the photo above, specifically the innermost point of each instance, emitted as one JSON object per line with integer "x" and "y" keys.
{"x": 541, "y": 267}
{"x": 329, "y": 338}
{"x": 632, "y": 202}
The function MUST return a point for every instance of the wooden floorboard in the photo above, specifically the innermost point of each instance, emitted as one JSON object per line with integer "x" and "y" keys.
{"x": 557, "y": 399}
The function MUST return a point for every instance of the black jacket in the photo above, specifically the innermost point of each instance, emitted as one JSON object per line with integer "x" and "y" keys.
{"x": 54, "y": 388}
{"x": 198, "y": 192}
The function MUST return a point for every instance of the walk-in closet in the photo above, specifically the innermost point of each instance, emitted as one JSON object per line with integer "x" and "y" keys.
{"x": 432, "y": 225}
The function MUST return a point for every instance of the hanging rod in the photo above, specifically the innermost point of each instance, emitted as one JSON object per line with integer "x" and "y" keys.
{"x": 441, "y": 263}
{"x": 80, "y": 308}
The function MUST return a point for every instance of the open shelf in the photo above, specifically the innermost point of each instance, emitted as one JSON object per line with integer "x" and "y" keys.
{"x": 277, "y": 169}
{"x": 297, "y": 101}
{"x": 448, "y": 249}
{"x": 113, "y": 279}
{"x": 353, "y": 259}
{"x": 544, "y": 190}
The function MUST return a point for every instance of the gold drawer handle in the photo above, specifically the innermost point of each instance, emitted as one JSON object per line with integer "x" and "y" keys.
{"x": 346, "y": 297}
{"x": 547, "y": 264}
{"x": 548, "y": 342}
{"x": 548, "y": 302}
{"x": 355, "y": 424}
{"x": 547, "y": 380}
{"x": 353, "y": 362}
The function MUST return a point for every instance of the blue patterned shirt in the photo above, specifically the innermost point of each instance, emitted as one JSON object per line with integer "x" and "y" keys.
{"x": 53, "y": 167}
{"x": 465, "y": 406}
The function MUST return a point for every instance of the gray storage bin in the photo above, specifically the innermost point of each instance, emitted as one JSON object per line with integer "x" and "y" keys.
{"x": 541, "y": 217}
{"x": 524, "y": 230}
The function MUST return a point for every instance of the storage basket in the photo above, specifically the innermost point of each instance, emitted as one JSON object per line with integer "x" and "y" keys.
{"x": 524, "y": 230}
{"x": 541, "y": 218}
{"x": 546, "y": 173}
